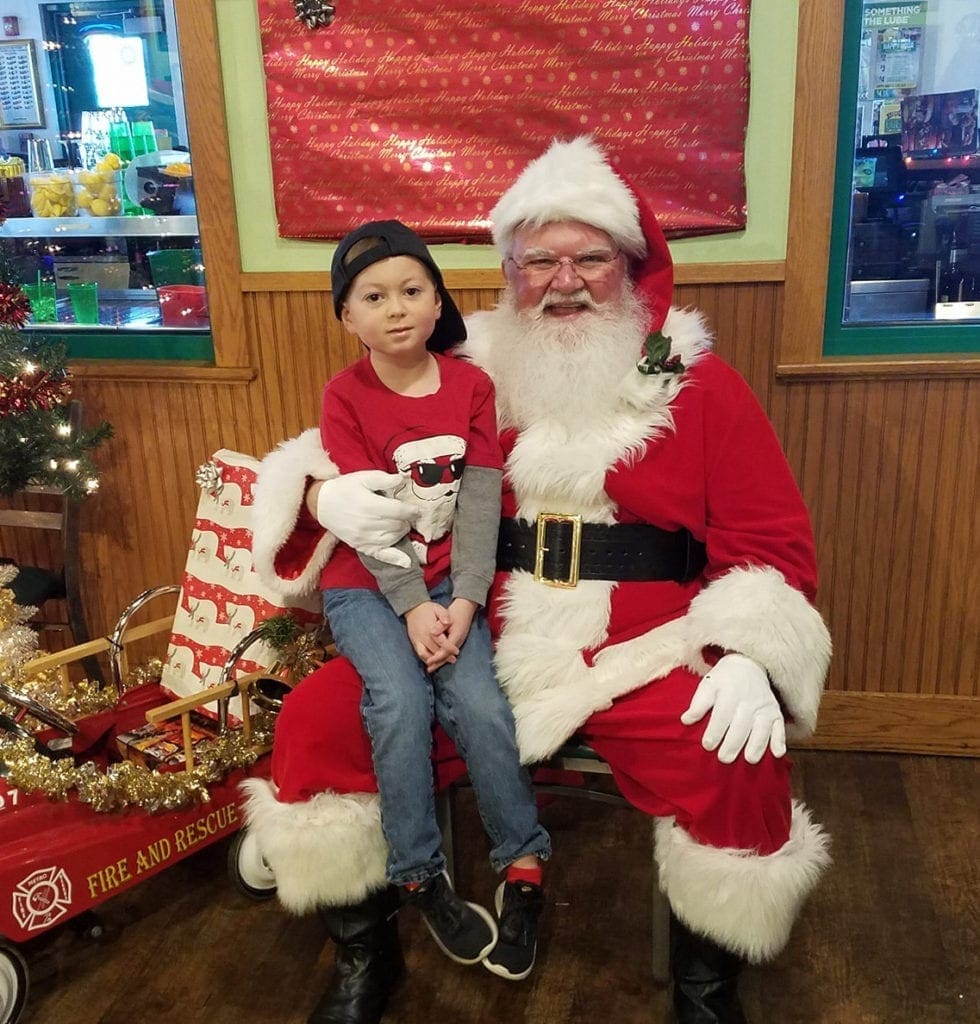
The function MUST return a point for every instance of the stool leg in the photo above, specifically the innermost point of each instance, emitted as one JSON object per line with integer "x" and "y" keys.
{"x": 444, "y": 819}
{"x": 660, "y": 964}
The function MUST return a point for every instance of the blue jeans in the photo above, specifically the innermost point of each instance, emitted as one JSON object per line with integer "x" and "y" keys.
{"x": 399, "y": 704}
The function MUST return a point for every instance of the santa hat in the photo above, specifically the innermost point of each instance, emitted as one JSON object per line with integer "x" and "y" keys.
{"x": 575, "y": 181}
{"x": 570, "y": 181}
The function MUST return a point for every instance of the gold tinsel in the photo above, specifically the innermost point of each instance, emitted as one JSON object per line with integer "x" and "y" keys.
{"x": 149, "y": 672}
{"x": 85, "y": 698}
{"x": 126, "y": 784}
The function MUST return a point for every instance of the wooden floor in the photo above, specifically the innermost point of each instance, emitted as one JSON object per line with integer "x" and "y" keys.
{"x": 890, "y": 937}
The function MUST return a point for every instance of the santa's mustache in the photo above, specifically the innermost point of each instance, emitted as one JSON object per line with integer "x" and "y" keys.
{"x": 551, "y": 298}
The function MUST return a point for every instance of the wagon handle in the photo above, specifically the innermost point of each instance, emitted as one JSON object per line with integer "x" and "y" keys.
{"x": 118, "y": 655}
{"x": 226, "y": 670}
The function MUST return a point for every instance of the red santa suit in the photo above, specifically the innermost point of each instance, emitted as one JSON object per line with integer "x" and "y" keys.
{"x": 616, "y": 662}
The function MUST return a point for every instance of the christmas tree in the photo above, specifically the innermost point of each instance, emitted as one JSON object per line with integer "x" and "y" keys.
{"x": 37, "y": 444}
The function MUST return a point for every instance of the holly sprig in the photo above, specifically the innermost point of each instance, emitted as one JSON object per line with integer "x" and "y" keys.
{"x": 656, "y": 356}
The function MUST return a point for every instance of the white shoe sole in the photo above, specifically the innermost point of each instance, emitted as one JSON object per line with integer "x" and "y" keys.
{"x": 499, "y": 969}
{"x": 491, "y": 924}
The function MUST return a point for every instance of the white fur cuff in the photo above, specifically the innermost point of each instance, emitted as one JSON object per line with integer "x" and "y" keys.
{"x": 744, "y": 902}
{"x": 328, "y": 851}
{"x": 755, "y": 612}
{"x": 278, "y": 500}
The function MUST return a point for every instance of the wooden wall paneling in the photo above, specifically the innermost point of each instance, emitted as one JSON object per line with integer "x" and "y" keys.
{"x": 923, "y": 573}
{"x": 888, "y": 469}
{"x": 880, "y": 597}
{"x": 266, "y": 402}
{"x": 954, "y": 511}
{"x": 965, "y": 586}
{"x": 869, "y": 575}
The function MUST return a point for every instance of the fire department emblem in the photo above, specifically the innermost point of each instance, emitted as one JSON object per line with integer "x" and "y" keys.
{"x": 41, "y": 898}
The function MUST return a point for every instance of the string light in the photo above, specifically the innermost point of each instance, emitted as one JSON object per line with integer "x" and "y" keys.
{"x": 63, "y": 429}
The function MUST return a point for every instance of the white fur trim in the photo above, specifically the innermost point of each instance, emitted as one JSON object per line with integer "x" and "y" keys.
{"x": 570, "y": 181}
{"x": 744, "y": 902}
{"x": 280, "y": 492}
{"x": 328, "y": 851}
{"x": 755, "y": 612}
{"x": 652, "y": 655}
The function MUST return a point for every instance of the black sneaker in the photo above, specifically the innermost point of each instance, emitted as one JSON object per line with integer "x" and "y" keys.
{"x": 465, "y": 932}
{"x": 518, "y": 906}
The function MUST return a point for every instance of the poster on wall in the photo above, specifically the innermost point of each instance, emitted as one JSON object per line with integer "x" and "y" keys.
{"x": 20, "y": 91}
{"x": 427, "y": 111}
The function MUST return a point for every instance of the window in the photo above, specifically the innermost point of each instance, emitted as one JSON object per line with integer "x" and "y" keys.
{"x": 904, "y": 272}
{"x": 116, "y": 214}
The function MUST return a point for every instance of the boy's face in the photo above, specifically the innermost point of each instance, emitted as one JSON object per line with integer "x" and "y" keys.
{"x": 393, "y": 306}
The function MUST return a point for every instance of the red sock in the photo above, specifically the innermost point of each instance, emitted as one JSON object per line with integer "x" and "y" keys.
{"x": 532, "y": 875}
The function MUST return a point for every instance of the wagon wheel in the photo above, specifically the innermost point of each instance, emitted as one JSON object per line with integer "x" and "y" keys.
{"x": 13, "y": 984}
{"x": 247, "y": 868}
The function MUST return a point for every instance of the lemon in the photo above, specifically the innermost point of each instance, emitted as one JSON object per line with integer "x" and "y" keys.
{"x": 100, "y": 208}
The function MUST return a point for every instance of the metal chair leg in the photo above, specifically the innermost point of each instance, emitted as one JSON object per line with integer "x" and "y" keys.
{"x": 660, "y": 963}
{"x": 444, "y": 819}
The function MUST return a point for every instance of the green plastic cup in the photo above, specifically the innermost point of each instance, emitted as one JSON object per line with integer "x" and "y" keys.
{"x": 144, "y": 138}
{"x": 43, "y": 300}
{"x": 84, "y": 296}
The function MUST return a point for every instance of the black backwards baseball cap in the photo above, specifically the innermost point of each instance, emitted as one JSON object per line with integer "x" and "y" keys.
{"x": 395, "y": 239}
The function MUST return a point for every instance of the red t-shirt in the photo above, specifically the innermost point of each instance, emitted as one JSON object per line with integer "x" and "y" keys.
{"x": 427, "y": 440}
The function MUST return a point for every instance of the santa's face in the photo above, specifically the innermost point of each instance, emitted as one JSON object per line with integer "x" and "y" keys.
{"x": 565, "y": 294}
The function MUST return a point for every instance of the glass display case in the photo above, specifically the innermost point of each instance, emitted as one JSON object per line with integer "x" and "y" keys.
{"x": 905, "y": 246}
{"x": 101, "y": 227}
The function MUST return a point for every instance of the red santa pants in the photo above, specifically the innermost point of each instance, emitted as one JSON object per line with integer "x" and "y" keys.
{"x": 661, "y": 768}
{"x": 658, "y": 763}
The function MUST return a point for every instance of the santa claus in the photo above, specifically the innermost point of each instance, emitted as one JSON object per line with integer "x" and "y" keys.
{"x": 655, "y": 577}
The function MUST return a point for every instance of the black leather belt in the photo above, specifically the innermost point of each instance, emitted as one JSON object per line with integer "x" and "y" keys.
{"x": 561, "y": 550}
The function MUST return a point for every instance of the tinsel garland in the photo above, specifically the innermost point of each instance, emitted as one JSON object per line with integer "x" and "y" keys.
{"x": 15, "y": 309}
{"x": 85, "y": 698}
{"x": 33, "y": 389}
{"x": 126, "y": 784}
{"x": 18, "y": 642}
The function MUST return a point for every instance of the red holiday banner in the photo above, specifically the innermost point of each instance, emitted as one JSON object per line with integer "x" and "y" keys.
{"x": 427, "y": 111}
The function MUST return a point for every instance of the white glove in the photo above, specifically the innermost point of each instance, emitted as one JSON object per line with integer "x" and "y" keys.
{"x": 744, "y": 711}
{"x": 356, "y": 509}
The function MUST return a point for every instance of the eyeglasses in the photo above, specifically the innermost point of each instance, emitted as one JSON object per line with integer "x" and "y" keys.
{"x": 590, "y": 266}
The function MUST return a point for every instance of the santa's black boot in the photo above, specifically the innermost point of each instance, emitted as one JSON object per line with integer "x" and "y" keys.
{"x": 705, "y": 979}
{"x": 369, "y": 961}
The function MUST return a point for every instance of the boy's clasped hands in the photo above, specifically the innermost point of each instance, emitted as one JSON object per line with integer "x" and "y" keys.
{"x": 437, "y": 633}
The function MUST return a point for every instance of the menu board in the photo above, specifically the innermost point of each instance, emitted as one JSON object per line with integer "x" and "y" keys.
{"x": 20, "y": 94}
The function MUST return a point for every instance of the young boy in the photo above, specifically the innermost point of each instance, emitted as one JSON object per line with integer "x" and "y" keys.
{"x": 414, "y": 630}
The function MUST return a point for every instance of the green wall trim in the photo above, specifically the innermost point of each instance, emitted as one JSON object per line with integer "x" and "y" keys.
{"x": 196, "y": 345}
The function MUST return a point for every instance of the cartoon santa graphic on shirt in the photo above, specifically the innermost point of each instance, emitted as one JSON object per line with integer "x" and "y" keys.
{"x": 431, "y": 469}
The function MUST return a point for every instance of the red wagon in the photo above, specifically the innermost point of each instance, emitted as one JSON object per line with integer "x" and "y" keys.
{"x": 61, "y": 858}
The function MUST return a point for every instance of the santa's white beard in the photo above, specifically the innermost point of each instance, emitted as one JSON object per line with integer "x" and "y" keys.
{"x": 567, "y": 371}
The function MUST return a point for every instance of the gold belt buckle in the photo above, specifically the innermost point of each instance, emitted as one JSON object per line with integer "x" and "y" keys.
{"x": 540, "y": 549}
